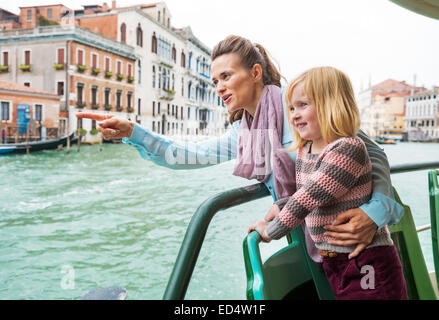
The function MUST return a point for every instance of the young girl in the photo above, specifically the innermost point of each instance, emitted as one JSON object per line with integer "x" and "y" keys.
{"x": 333, "y": 174}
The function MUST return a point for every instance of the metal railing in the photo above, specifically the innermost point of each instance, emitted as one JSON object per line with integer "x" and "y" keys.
{"x": 196, "y": 231}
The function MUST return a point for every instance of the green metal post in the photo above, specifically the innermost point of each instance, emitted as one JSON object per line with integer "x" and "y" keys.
{"x": 196, "y": 231}
{"x": 433, "y": 188}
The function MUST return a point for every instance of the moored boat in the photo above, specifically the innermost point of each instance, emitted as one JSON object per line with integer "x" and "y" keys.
{"x": 33, "y": 146}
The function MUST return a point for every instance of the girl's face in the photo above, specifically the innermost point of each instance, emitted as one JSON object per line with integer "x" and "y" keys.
{"x": 236, "y": 85}
{"x": 304, "y": 118}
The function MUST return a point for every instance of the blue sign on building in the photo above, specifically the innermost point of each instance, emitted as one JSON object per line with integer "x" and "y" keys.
{"x": 23, "y": 115}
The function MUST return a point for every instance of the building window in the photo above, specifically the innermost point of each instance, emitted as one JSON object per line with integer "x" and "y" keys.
{"x": 79, "y": 94}
{"x": 49, "y": 13}
{"x": 5, "y": 58}
{"x": 139, "y": 71}
{"x": 29, "y": 15}
{"x": 27, "y": 57}
{"x": 158, "y": 16}
{"x": 94, "y": 95}
{"x": 118, "y": 99}
{"x": 38, "y": 113}
{"x": 129, "y": 98}
{"x": 158, "y": 108}
{"x": 153, "y": 108}
{"x": 60, "y": 88}
{"x": 181, "y": 113}
{"x": 130, "y": 70}
{"x": 94, "y": 60}
{"x": 5, "y": 111}
{"x": 119, "y": 67}
{"x": 80, "y": 57}
{"x": 174, "y": 54}
{"x": 154, "y": 43}
{"x": 183, "y": 59}
{"x": 139, "y": 104}
{"x": 139, "y": 36}
{"x": 123, "y": 33}
{"x": 153, "y": 76}
{"x": 60, "y": 53}
{"x": 107, "y": 64}
{"x": 107, "y": 97}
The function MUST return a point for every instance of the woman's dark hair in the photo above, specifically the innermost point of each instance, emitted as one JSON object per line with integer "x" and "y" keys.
{"x": 250, "y": 54}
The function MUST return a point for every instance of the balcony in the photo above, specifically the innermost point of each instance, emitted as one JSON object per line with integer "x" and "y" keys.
{"x": 166, "y": 94}
{"x": 167, "y": 62}
{"x": 24, "y": 67}
{"x": 4, "y": 69}
{"x": 107, "y": 107}
{"x": 81, "y": 68}
{"x": 95, "y": 71}
{"x": 59, "y": 66}
{"x": 80, "y": 105}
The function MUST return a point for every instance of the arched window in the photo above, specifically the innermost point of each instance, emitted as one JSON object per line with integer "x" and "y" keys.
{"x": 174, "y": 54}
{"x": 123, "y": 33}
{"x": 139, "y": 36}
{"x": 183, "y": 59}
{"x": 154, "y": 43}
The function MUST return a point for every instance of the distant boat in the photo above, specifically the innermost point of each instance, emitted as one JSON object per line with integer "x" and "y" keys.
{"x": 35, "y": 145}
{"x": 384, "y": 140}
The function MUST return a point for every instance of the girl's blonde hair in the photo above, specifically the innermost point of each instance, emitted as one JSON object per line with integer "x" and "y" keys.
{"x": 331, "y": 91}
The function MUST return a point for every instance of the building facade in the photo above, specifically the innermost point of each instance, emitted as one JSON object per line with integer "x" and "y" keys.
{"x": 170, "y": 89}
{"x": 27, "y": 114}
{"x": 422, "y": 116}
{"x": 86, "y": 70}
{"x": 382, "y": 107}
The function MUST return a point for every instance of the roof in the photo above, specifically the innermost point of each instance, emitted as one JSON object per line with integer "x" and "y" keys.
{"x": 13, "y": 86}
{"x": 390, "y": 83}
{"x": 46, "y": 5}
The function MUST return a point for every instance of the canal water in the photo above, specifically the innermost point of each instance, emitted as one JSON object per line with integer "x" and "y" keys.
{"x": 71, "y": 223}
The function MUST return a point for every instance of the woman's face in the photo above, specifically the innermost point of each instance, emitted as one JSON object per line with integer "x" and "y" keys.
{"x": 304, "y": 116}
{"x": 235, "y": 84}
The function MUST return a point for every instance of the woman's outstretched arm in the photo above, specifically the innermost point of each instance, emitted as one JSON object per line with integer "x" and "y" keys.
{"x": 165, "y": 152}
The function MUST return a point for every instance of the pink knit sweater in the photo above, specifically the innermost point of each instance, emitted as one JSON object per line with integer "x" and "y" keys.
{"x": 336, "y": 180}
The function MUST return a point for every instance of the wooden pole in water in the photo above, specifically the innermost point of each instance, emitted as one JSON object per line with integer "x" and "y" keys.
{"x": 100, "y": 144}
{"x": 27, "y": 140}
{"x": 79, "y": 141}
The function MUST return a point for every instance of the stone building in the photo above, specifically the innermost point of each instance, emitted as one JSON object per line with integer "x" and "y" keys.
{"x": 422, "y": 115}
{"x": 86, "y": 70}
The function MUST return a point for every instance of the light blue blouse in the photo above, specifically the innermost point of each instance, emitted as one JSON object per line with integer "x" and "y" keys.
{"x": 382, "y": 208}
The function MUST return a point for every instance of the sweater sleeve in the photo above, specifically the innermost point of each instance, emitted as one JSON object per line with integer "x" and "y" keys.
{"x": 339, "y": 168}
{"x": 184, "y": 155}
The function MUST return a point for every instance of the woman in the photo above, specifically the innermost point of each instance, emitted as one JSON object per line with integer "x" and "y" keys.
{"x": 249, "y": 84}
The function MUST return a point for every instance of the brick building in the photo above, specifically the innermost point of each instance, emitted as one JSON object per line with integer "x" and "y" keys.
{"x": 27, "y": 113}
{"x": 86, "y": 70}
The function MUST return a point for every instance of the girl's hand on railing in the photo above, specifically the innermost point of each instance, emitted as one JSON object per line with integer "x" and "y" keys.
{"x": 260, "y": 226}
{"x": 111, "y": 127}
{"x": 272, "y": 213}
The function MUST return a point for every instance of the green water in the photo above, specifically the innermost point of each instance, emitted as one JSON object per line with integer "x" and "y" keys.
{"x": 73, "y": 223}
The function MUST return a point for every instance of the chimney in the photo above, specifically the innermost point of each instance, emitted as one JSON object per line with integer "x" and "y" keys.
{"x": 105, "y": 7}
{"x": 113, "y": 5}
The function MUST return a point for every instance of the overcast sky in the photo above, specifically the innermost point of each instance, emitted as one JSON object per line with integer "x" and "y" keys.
{"x": 367, "y": 39}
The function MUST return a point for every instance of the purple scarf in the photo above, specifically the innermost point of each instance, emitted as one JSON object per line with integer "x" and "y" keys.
{"x": 260, "y": 151}
{"x": 260, "y": 145}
